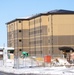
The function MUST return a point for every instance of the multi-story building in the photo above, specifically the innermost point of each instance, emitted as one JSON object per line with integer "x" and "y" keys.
{"x": 42, "y": 34}
{"x": 18, "y": 35}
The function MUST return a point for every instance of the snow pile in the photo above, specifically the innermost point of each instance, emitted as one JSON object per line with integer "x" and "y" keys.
{"x": 60, "y": 62}
{"x": 63, "y": 61}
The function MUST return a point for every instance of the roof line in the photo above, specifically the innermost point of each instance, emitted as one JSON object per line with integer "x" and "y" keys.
{"x": 61, "y": 11}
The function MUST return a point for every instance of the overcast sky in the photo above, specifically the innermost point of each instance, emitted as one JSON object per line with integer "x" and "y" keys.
{"x": 11, "y": 9}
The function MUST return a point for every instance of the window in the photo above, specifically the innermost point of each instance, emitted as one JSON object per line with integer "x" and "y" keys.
{"x": 49, "y": 41}
{"x": 20, "y": 30}
{"x": 40, "y": 31}
{"x": 40, "y": 41}
{"x": 34, "y": 42}
{"x": 20, "y": 40}
{"x": 20, "y": 49}
{"x": 38, "y": 20}
{"x": 19, "y": 21}
{"x": 29, "y": 42}
{"x": 32, "y": 22}
{"x": 48, "y": 18}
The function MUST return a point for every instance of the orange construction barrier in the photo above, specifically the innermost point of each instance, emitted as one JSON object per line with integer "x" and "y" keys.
{"x": 47, "y": 59}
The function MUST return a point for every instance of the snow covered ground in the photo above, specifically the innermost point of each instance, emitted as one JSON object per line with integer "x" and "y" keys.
{"x": 56, "y": 69}
{"x": 40, "y": 70}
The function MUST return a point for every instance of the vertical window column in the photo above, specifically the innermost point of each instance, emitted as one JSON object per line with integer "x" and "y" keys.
{"x": 40, "y": 37}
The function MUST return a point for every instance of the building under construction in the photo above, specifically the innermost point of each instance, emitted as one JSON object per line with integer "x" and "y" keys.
{"x": 42, "y": 34}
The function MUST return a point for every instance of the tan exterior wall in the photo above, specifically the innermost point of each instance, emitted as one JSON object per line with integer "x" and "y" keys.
{"x": 31, "y": 23}
{"x": 25, "y": 24}
{"x": 63, "y": 24}
{"x": 18, "y": 31}
{"x": 60, "y": 28}
{"x": 37, "y": 21}
{"x": 42, "y": 35}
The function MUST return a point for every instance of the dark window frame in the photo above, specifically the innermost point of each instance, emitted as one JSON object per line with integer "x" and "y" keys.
{"x": 20, "y": 40}
{"x": 20, "y": 30}
{"x": 20, "y": 21}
